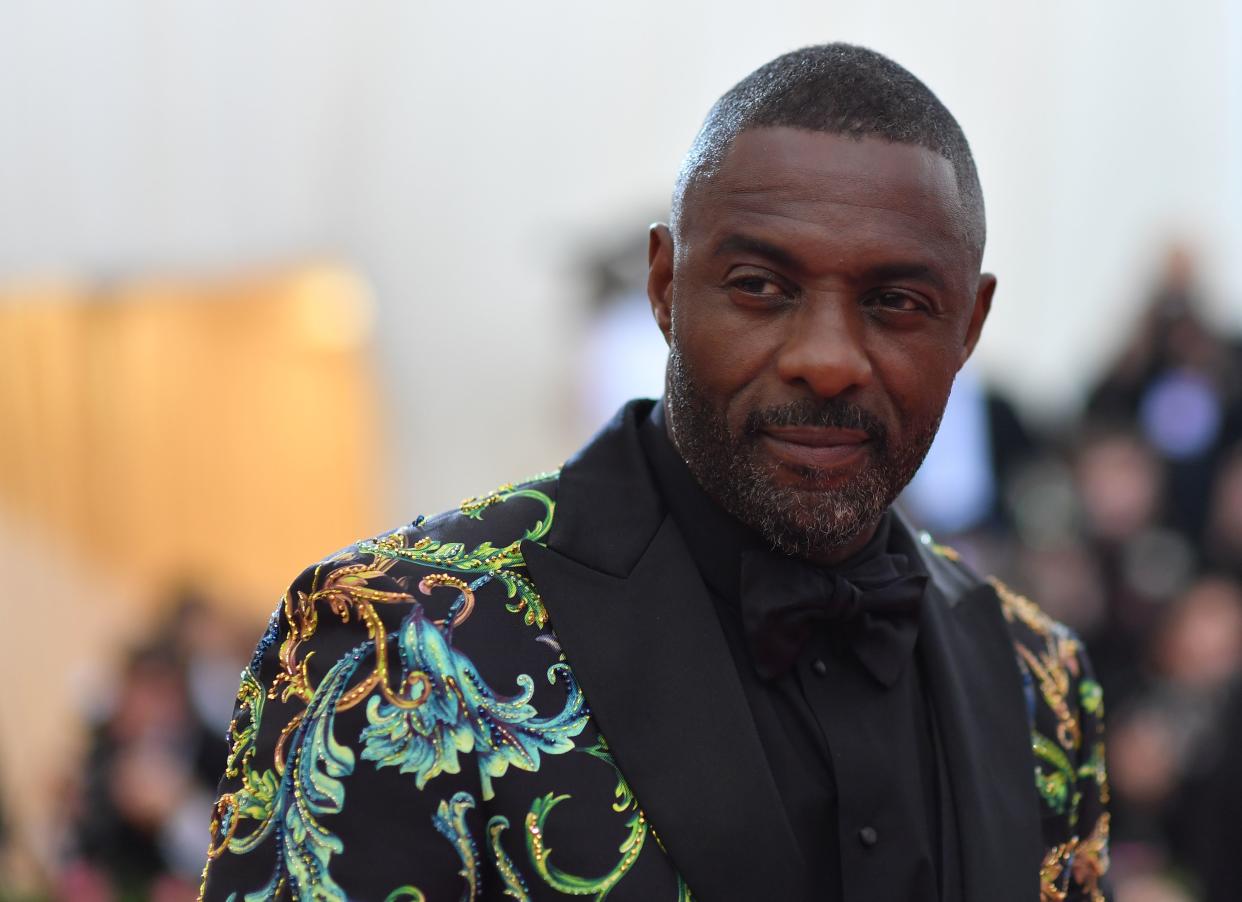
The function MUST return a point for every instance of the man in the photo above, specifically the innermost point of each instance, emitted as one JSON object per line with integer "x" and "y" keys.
{"x": 704, "y": 660}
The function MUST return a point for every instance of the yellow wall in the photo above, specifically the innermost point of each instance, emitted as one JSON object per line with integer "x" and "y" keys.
{"x": 224, "y": 432}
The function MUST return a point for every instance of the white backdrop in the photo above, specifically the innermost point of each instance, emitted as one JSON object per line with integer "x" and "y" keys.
{"x": 463, "y": 156}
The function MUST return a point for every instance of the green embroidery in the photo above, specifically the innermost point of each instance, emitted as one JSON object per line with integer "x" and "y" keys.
{"x": 515, "y": 886}
{"x": 1054, "y": 786}
{"x": 461, "y": 713}
{"x": 250, "y": 697}
{"x": 309, "y": 788}
{"x": 312, "y": 787}
{"x": 1092, "y": 697}
{"x": 1095, "y": 769}
{"x": 256, "y": 800}
{"x": 410, "y": 893}
{"x": 450, "y": 821}
{"x": 944, "y": 551}
{"x": 426, "y": 705}
{"x": 625, "y": 795}
{"x": 485, "y": 560}
{"x": 539, "y": 850}
{"x": 474, "y": 507}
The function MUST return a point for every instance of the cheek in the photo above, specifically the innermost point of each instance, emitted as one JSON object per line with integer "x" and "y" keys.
{"x": 917, "y": 383}
{"x": 723, "y": 349}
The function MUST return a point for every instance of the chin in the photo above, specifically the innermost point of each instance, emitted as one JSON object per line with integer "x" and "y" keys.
{"x": 812, "y": 481}
{"x": 811, "y": 520}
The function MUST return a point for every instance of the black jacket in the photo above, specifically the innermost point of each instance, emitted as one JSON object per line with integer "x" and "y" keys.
{"x": 530, "y": 697}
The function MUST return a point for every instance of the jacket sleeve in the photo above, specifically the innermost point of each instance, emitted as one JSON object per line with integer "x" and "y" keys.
{"x": 1066, "y": 710}
{"x": 322, "y": 795}
{"x": 1089, "y": 859}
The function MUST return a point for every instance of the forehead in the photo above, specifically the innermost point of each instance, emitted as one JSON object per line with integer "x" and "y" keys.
{"x": 833, "y": 189}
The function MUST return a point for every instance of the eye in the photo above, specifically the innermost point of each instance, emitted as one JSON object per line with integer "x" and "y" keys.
{"x": 899, "y": 301}
{"x": 757, "y": 286}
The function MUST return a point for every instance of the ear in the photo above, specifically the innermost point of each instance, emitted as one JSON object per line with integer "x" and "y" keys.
{"x": 660, "y": 276}
{"x": 983, "y": 305}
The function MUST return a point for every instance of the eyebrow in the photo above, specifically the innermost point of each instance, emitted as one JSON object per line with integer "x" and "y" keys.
{"x": 747, "y": 244}
{"x": 882, "y": 272}
{"x": 916, "y": 272}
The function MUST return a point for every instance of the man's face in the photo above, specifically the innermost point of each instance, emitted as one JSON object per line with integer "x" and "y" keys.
{"x": 818, "y": 300}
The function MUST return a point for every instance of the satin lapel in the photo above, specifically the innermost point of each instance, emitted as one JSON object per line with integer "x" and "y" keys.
{"x": 977, "y": 693}
{"x": 649, "y": 653}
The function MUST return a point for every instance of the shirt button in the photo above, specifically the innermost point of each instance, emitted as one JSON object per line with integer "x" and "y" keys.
{"x": 820, "y": 668}
{"x": 868, "y": 837}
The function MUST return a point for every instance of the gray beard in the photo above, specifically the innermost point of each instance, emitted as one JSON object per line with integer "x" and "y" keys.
{"x": 808, "y": 523}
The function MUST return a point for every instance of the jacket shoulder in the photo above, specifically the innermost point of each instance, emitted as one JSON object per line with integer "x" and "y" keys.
{"x": 497, "y": 508}
{"x": 1051, "y": 657}
{"x": 480, "y": 538}
{"x": 496, "y": 520}
{"x": 394, "y": 675}
{"x": 1031, "y": 629}
{"x": 1030, "y": 625}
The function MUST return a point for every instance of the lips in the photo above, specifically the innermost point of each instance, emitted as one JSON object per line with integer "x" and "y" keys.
{"x": 816, "y": 447}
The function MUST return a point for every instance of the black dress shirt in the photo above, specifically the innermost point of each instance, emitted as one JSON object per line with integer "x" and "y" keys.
{"x": 856, "y": 761}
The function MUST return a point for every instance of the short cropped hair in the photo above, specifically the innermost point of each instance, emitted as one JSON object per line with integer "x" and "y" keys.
{"x": 839, "y": 89}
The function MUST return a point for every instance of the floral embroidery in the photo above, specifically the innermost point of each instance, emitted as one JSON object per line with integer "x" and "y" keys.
{"x": 540, "y": 851}
{"x": 1069, "y": 764}
{"x": 422, "y": 704}
{"x": 1085, "y": 861}
{"x": 423, "y": 709}
{"x": 515, "y": 884}
{"x": 461, "y": 713}
{"x": 450, "y": 821}
{"x": 485, "y": 559}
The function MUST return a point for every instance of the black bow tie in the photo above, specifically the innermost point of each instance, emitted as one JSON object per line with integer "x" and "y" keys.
{"x": 783, "y": 599}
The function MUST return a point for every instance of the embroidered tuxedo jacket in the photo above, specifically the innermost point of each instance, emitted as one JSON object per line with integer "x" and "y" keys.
{"x": 530, "y": 697}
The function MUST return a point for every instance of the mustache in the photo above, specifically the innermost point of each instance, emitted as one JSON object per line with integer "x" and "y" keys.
{"x": 833, "y": 413}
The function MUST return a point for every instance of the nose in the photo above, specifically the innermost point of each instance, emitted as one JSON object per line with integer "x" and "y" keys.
{"x": 824, "y": 349}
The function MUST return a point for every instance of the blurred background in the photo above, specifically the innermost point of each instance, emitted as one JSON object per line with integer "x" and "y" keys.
{"x": 278, "y": 276}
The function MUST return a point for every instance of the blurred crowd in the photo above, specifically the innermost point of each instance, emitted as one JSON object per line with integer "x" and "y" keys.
{"x": 1158, "y": 467}
{"x": 135, "y": 815}
{"x": 1126, "y": 524}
